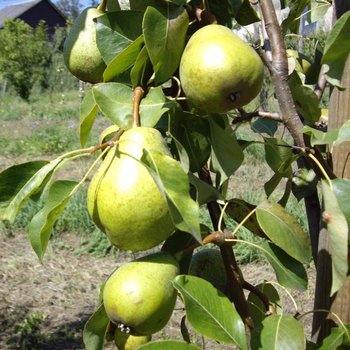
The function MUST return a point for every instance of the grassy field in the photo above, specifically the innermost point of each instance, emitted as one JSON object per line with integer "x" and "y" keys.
{"x": 45, "y": 128}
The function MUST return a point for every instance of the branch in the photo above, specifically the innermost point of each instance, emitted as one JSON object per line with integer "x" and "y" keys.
{"x": 321, "y": 84}
{"x": 279, "y": 72}
{"x": 108, "y": 143}
{"x": 232, "y": 271}
{"x": 270, "y": 310}
{"x": 247, "y": 117}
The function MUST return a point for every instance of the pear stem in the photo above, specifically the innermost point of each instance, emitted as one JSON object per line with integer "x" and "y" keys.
{"x": 102, "y": 6}
{"x": 108, "y": 143}
{"x": 138, "y": 94}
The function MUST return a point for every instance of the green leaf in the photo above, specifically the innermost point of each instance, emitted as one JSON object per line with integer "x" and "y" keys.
{"x": 341, "y": 189}
{"x": 264, "y": 125}
{"x": 193, "y": 132}
{"x": 222, "y": 10}
{"x": 279, "y": 332}
{"x": 42, "y": 223}
{"x": 334, "y": 340}
{"x": 95, "y": 330}
{"x": 174, "y": 184}
{"x": 153, "y": 106}
{"x": 115, "y": 31}
{"x": 246, "y": 14}
{"x": 124, "y": 60}
{"x": 205, "y": 193}
{"x": 168, "y": 345}
{"x": 14, "y": 178}
{"x": 284, "y": 230}
{"x": 88, "y": 112}
{"x": 29, "y": 188}
{"x": 290, "y": 273}
{"x": 344, "y": 133}
{"x": 238, "y": 209}
{"x": 337, "y": 50}
{"x": 338, "y": 237}
{"x": 304, "y": 183}
{"x": 318, "y": 10}
{"x": 256, "y": 306}
{"x": 115, "y": 102}
{"x": 138, "y": 70}
{"x": 276, "y": 156}
{"x": 214, "y": 317}
{"x": 272, "y": 184}
{"x": 306, "y": 103}
{"x": 226, "y": 155}
{"x": 292, "y": 22}
{"x": 164, "y": 29}
{"x": 319, "y": 137}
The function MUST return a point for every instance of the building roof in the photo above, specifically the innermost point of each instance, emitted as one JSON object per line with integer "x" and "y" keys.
{"x": 16, "y": 10}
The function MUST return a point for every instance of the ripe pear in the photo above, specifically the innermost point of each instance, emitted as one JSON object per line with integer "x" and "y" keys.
{"x": 123, "y": 199}
{"x": 208, "y": 264}
{"x": 219, "y": 71}
{"x": 80, "y": 52}
{"x": 140, "y": 294}
{"x": 125, "y": 341}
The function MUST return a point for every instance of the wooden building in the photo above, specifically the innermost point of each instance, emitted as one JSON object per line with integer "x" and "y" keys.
{"x": 32, "y": 12}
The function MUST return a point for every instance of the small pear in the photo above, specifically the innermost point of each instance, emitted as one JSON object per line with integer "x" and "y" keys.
{"x": 208, "y": 264}
{"x": 140, "y": 294}
{"x": 123, "y": 199}
{"x": 219, "y": 71}
{"x": 125, "y": 341}
{"x": 80, "y": 52}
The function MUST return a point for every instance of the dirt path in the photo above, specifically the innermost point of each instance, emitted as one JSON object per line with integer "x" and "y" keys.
{"x": 46, "y": 306}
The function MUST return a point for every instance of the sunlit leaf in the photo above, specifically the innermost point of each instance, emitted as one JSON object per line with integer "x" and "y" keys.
{"x": 95, "y": 330}
{"x": 319, "y": 137}
{"x": 337, "y": 50}
{"x": 174, "y": 185}
{"x": 279, "y": 332}
{"x": 164, "y": 29}
{"x": 115, "y": 31}
{"x": 318, "y": 9}
{"x": 338, "y": 237}
{"x": 344, "y": 133}
{"x": 153, "y": 106}
{"x": 334, "y": 340}
{"x": 88, "y": 112}
{"x": 341, "y": 189}
{"x": 115, "y": 102}
{"x": 138, "y": 70}
{"x": 284, "y": 230}
{"x": 40, "y": 227}
{"x": 210, "y": 312}
{"x": 29, "y": 188}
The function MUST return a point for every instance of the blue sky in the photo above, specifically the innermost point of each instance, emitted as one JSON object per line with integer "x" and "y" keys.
{"x": 4, "y": 3}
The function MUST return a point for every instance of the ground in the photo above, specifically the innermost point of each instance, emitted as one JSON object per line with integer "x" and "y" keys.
{"x": 45, "y": 306}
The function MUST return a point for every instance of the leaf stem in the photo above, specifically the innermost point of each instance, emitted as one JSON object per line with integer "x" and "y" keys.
{"x": 242, "y": 222}
{"x": 322, "y": 169}
{"x": 102, "y": 6}
{"x": 66, "y": 155}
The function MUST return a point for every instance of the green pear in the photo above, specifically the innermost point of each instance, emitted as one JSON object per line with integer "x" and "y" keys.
{"x": 123, "y": 199}
{"x": 125, "y": 341}
{"x": 219, "y": 71}
{"x": 208, "y": 264}
{"x": 140, "y": 294}
{"x": 80, "y": 52}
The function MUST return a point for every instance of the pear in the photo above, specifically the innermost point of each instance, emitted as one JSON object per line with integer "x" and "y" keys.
{"x": 208, "y": 264}
{"x": 219, "y": 71}
{"x": 125, "y": 341}
{"x": 140, "y": 294}
{"x": 80, "y": 52}
{"x": 123, "y": 199}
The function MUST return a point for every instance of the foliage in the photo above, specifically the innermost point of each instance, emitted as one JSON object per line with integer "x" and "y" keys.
{"x": 142, "y": 50}
{"x": 24, "y": 55}
{"x": 71, "y": 8}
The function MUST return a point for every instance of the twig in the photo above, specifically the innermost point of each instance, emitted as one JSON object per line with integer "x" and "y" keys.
{"x": 109, "y": 143}
{"x": 269, "y": 307}
{"x": 247, "y": 117}
{"x": 321, "y": 84}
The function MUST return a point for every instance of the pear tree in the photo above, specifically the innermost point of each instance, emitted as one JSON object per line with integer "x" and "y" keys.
{"x": 176, "y": 82}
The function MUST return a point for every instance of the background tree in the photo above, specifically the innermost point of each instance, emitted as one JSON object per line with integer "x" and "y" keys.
{"x": 24, "y": 55}
{"x": 71, "y": 8}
